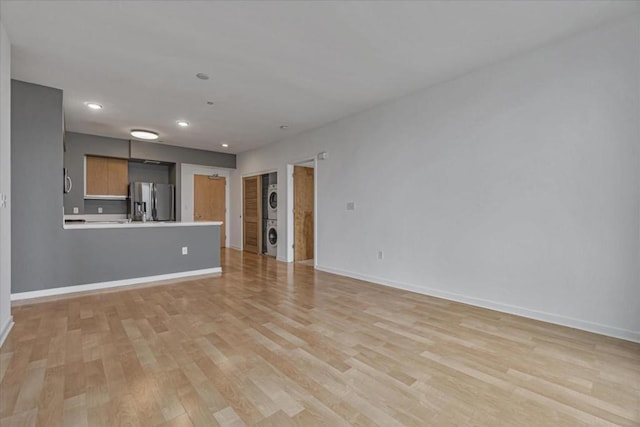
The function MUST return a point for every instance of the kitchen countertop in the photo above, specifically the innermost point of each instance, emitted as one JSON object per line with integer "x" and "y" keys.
{"x": 136, "y": 224}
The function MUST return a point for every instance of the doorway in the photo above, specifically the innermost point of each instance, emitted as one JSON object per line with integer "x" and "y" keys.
{"x": 304, "y": 213}
{"x": 270, "y": 214}
{"x": 209, "y": 201}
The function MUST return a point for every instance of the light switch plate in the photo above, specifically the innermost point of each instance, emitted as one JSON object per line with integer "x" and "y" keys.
{"x": 185, "y": 250}
{"x": 75, "y": 210}
{"x": 99, "y": 210}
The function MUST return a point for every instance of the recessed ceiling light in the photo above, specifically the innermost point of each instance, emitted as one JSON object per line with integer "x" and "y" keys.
{"x": 182, "y": 123}
{"x": 225, "y": 145}
{"x": 144, "y": 134}
{"x": 93, "y": 105}
{"x": 284, "y": 127}
{"x": 202, "y": 76}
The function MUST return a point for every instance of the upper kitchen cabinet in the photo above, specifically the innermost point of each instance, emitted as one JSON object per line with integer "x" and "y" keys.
{"x": 106, "y": 178}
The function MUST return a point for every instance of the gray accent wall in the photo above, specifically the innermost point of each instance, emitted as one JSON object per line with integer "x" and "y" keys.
{"x": 102, "y": 255}
{"x": 92, "y": 206}
{"x": 44, "y": 254}
{"x": 179, "y": 155}
{"x": 141, "y": 172}
{"x": 173, "y": 154}
{"x": 77, "y": 146}
{"x": 38, "y": 250}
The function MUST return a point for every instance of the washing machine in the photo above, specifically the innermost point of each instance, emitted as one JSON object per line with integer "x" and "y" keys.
{"x": 272, "y": 237}
{"x": 272, "y": 202}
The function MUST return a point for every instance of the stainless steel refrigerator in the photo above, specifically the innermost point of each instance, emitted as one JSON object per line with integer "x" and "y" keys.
{"x": 154, "y": 202}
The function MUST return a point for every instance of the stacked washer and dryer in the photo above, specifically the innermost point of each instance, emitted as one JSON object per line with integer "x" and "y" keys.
{"x": 272, "y": 220}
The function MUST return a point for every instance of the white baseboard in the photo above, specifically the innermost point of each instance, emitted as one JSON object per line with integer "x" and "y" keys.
{"x": 237, "y": 248}
{"x": 112, "y": 284}
{"x": 557, "y": 319}
{"x": 6, "y": 328}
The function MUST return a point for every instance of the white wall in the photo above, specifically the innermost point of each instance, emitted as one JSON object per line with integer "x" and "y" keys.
{"x": 515, "y": 187}
{"x": 5, "y": 185}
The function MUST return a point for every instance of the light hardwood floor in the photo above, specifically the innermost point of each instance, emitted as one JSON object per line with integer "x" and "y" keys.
{"x": 272, "y": 344}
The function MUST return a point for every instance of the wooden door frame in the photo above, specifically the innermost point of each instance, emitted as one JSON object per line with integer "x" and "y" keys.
{"x": 290, "y": 253}
{"x": 187, "y": 172}
{"x": 241, "y": 192}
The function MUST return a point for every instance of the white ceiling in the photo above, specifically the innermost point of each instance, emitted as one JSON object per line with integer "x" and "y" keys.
{"x": 302, "y": 64}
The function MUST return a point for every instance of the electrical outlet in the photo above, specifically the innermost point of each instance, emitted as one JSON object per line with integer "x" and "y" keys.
{"x": 351, "y": 206}
{"x": 76, "y": 210}
{"x": 185, "y": 250}
{"x": 99, "y": 209}
{"x": 380, "y": 254}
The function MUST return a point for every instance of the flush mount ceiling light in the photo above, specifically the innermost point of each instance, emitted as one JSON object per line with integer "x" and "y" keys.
{"x": 202, "y": 76}
{"x": 144, "y": 134}
{"x": 225, "y": 145}
{"x": 284, "y": 127}
{"x": 182, "y": 123}
{"x": 93, "y": 105}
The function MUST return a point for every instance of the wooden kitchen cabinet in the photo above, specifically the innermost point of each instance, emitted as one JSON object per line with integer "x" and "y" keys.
{"x": 118, "y": 184}
{"x": 106, "y": 177}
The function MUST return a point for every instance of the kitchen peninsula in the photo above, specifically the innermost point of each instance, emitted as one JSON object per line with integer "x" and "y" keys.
{"x": 110, "y": 254}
